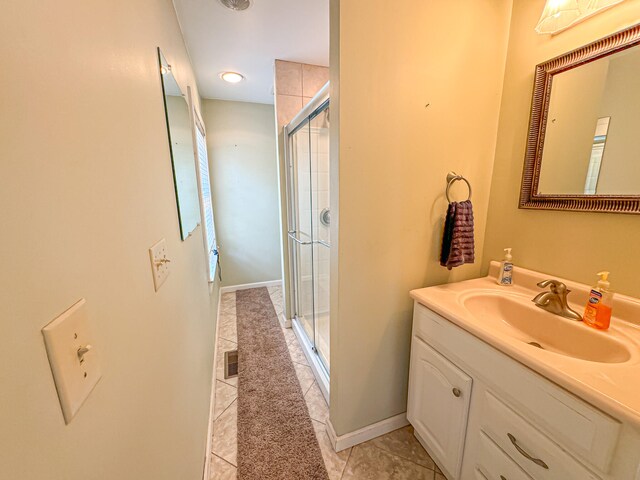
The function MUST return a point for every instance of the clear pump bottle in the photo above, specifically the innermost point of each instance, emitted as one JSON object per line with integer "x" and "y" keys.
{"x": 505, "y": 278}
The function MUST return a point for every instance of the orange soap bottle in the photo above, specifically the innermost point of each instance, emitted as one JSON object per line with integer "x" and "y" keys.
{"x": 597, "y": 314}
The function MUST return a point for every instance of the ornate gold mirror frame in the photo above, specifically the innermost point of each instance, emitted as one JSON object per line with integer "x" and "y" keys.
{"x": 529, "y": 198}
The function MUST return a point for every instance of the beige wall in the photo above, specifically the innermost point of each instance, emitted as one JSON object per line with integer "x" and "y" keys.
{"x": 568, "y": 244}
{"x": 244, "y": 179}
{"x": 419, "y": 95}
{"x": 295, "y": 84}
{"x": 86, "y": 188}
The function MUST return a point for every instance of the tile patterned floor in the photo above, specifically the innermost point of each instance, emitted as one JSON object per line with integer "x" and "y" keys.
{"x": 394, "y": 456}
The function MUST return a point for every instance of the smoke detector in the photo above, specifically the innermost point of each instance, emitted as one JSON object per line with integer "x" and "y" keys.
{"x": 237, "y": 5}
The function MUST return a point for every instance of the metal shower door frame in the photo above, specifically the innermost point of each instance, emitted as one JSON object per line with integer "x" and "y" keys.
{"x": 317, "y": 105}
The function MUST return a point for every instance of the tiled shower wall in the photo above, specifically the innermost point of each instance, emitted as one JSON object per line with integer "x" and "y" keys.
{"x": 295, "y": 85}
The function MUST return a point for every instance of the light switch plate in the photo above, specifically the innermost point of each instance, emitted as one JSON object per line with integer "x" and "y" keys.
{"x": 75, "y": 371}
{"x": 159, "y": 263}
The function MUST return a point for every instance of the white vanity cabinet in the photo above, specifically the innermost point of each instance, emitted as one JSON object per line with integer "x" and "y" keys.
{"x": 483, "y": 415}
{"x": 438, "y": 404}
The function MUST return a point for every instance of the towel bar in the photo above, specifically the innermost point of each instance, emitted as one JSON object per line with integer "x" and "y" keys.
{"x": 453, "y": 177}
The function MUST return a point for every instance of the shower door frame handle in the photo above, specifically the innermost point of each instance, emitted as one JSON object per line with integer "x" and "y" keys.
{"x": 292, "y": 236}
{"x": 297, "y": 240}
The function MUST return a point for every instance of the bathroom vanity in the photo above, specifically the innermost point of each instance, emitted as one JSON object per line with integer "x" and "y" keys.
{"x": 500, "y": 389}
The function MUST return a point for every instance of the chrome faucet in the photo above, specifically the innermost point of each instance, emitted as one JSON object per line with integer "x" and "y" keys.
{"x": 555, "y": 300}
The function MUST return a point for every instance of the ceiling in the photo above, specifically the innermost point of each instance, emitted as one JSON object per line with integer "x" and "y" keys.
{"x": 248, "y": 42}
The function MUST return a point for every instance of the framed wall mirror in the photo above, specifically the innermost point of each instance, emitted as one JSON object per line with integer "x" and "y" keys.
{"x": 183, "y": 161}
{"x": 583, "y": 146}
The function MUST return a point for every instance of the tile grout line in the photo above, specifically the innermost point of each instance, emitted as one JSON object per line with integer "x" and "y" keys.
{"x": 214, "y": 453}
{"x": 222, "y": 413}
{"x": 344, "y": 469}
{"x": 305, "y": 393}
{"x": 406, "y": 459}
{"x": 229, "y": 340}
{"x": 225, "y": 461}
{"x": 227, "y": 383}
{"x": 219, "y": 344}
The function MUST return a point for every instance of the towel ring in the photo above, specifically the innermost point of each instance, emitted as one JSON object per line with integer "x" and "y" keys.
{"x": 453, "y": 177}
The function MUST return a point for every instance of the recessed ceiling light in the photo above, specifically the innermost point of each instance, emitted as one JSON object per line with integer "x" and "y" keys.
{"x": 231, "y": 77}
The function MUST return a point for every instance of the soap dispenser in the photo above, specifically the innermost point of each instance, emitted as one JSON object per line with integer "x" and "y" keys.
{"x": 597, "y": 313}
{"x": 505, "y": 277}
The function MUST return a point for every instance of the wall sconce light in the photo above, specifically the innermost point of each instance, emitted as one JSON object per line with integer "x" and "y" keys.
{"x": 558, "y": 15}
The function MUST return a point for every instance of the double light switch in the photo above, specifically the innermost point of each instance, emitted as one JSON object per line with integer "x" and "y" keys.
{"x": 159, "y": 263}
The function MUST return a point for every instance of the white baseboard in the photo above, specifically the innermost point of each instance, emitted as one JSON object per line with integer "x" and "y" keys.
{"x": 247, "y": 286}
{"x": 364, "y": 434}
{"x": 207, "y": 454}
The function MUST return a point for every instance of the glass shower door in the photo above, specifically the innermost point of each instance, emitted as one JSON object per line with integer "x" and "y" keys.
{"x": 321, "y": 217}
{"x": 301, "y": 233}
{"x": 309, "y": 221}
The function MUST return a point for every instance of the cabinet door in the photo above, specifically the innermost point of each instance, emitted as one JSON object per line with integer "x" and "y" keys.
{"x": 438, "y": 405}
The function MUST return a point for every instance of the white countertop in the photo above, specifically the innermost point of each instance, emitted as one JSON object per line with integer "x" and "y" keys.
{"x": 612, "y": 387}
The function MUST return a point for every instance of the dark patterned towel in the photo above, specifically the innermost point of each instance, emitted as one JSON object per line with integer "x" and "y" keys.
{"x": 457, "y": 240}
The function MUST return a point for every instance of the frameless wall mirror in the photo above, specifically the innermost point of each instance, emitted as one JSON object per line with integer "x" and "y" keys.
{"x": 183, "y": 159}
{"x": 583, "y": 149}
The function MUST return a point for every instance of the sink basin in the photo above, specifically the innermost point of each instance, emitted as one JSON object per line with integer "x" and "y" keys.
{"x": 518, "y": 317}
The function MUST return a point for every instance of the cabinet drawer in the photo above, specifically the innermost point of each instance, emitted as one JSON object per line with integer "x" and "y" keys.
{"x": 533, "y": 451}
{"x": 438, "y": 405}
{"x": 495, "y": 464}
{"x": 580, "y": 428}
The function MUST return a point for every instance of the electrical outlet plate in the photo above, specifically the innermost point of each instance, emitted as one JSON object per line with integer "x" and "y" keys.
{"x": 159, "y": 263}
{"x": 74, "y": 372}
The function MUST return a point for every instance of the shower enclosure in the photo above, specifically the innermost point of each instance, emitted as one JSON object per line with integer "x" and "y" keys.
{"x": 309, "y": 220}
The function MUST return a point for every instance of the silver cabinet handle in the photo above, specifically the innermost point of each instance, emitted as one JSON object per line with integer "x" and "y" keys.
{"x": 456, "y": 392}
{"x": 521, "y": 451}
